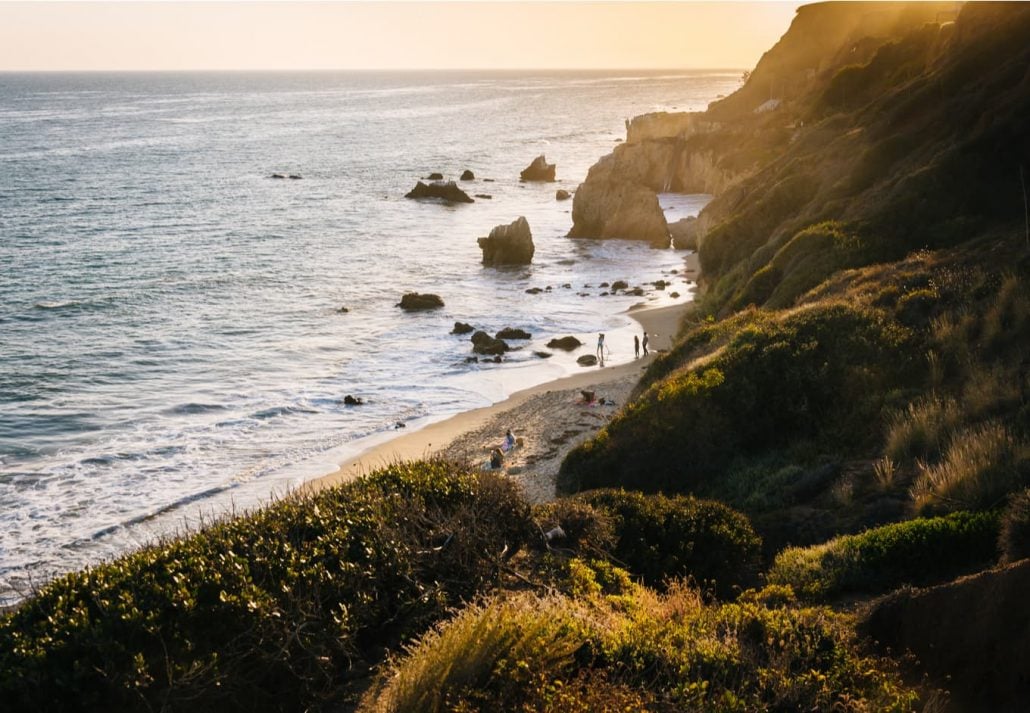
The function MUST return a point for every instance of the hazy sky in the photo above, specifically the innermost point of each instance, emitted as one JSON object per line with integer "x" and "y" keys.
{"x": 390, "y": 35}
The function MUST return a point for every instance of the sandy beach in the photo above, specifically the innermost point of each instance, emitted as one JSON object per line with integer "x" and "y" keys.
{"x": 549, "y": 419}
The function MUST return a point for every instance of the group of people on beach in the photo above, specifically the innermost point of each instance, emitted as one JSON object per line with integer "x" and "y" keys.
{"x": 637, "y": 344}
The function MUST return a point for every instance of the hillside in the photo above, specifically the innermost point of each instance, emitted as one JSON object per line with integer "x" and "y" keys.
{"x": 828, "y": 471}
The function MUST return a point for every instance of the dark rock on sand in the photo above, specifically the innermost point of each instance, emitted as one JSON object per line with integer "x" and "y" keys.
{"x": 566, "y": 343}
{"x": 435, "y": 176}
{"x": 413, "y": 301}
{"x": 483, "y": 343}
{"x": 538, "y": 170}
{"x": 562, "y": 195}
{"x": 513, "y": 333}
{"x": 447, "y": 191}
{"x": 467, "y": 175}
{"x": 508, "y": 244}
{"x": 462, "y": 328}
{"x": 353, "y": 400}
{"x": 587, "y": 360}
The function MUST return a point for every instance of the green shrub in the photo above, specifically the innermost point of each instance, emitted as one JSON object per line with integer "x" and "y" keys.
{"x": 818, "y": 373}
{"x": 1014, "y": 540}
{"x": 586, "y": 528}
{"x": 661, "y": 538}
{"x": 980, "y": 467}
{"x": 914, "y": 552}
{"x": 262, "y": 612}
{"x": 532, "y": 653}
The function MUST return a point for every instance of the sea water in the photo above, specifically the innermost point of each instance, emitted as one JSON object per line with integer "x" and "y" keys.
{"x": 171, "y": 333}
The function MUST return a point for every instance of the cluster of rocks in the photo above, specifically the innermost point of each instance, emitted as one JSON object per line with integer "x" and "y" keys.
{"x": 447, "y": 191}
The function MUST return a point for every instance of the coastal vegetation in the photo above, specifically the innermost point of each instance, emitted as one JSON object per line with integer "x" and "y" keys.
{"x": 845, "y": 414}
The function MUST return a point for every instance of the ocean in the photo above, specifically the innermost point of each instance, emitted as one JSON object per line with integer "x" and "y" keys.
{"x": 172, "y": 345}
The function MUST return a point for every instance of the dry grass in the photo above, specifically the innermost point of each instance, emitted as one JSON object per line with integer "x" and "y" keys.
{"x": 980, "y": 466}
{"x": 922, "y": 429}
{"x": 885, "y": 473}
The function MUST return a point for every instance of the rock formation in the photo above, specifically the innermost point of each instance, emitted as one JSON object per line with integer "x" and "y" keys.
{"x": 538, "y": 170}
{"x": 565, "y": 343}
{"x": 462, "y": 328}
{"x": 508, "y": 244}
{"x": 447, "y": 191}
{"x": 467, "y": 175}
{"x": 587, "y": 360}
{"x": 562, "y": 195}
{"x": 608, "y": 205}
{"x": 483, "y": 343}
{"x": 435, "y": 176}
{"x": 513, "y": 333}
{"x": 684, "y": 233}
{"x": 414, "y": 302}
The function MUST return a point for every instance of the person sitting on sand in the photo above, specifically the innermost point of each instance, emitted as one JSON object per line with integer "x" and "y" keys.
{"x": 496, "y": 459}
{"x": 509, "y": 442}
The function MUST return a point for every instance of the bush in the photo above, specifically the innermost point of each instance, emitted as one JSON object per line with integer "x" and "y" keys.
{"x": 661, "y": 538}
{"x": 820, "y": 373}
{"x": 263, "y": 612}
{"x": 548, "y": 654}
{"x": 918, "y": 551}
{"x": 586, "y": 528}
{"x": 922, "y": 429}
{"x": 1014, "y": 540}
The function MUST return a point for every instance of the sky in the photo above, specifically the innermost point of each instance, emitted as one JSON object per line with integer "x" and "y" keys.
{"x": 136, "y": 35}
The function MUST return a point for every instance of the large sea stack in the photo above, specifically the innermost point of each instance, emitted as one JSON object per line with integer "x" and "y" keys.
{"x": 508, "y": 244}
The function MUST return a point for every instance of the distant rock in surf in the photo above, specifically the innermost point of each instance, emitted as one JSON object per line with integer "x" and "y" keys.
{"x": 296, "y": 176}
{"x": 447, "y": 191}
{"x": 353, "y": 400}
{"x": 513, "y": 333}
{"x": 462, "y": 328}
{"x": 434, "y": 176}
{"x": 277, "y": 175}
{"x": 587, "y": 360}
{"x": 467, "y": 175}
{"x": 486, "y": 196}
{"x": 414, "y": 302}
{"x": 562, "y": 195}
{"x": 483, "y": 343}
{"x": 538, "y": 170}
{"x": 508, "y": 244}
{"x": 566, "y": 343}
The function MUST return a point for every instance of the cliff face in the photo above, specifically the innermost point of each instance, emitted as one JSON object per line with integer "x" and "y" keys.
{"x": 713, "y": 151}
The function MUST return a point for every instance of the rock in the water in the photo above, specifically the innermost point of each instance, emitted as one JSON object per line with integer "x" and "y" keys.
{"x": 635, "y": 292}
{"x": 566, "y": 343}
{"x": 353, "y": 400}
{"x": 674, "y": 295}
{"x": 483, "y": 343}
{"x": 608, "y": 206}
{"x": 447, "y": 191}
{"x": 462, "y": 328}
{"x": 587, "y": 360}
{"x": 508, "y": 244}
{"x": 534, "y": 291}
{"x": 467, "y": 175}
{"x": 413, "y": 301}
{"x": 296, "y": 176}
{"x": 484, "y": 196}
{"x": 619, "y": 285}
{"x": 277, "y": 175}
{"x": 343, "y": 310}
{"x": 513, "y": 333}
{"x": 660, "y": 284}
{"x": 539, "y": 170}
{"x": 543, "y": 355}
{"x": 562, "y": 195}
{"x": 435, "y": 176}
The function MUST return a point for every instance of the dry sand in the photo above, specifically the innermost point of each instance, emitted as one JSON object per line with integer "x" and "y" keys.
{"x": 550, "y": 419}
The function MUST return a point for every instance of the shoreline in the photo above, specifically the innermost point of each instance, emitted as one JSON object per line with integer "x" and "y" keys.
{"x": 551, "y": 417}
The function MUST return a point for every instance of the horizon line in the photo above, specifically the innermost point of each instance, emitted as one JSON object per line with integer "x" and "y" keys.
{"x": 370, "y": 69}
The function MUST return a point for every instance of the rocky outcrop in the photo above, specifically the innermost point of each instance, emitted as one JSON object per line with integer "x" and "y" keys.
{"x": 513, "y": 333}
{"x": 618, "y": 209}
{"x": 508, "y": 244}
{"x": 538, "y": 170}
{"x": 565, "y": 343}
{"x": 587, "y": 360}
{"x": 684, "y": 233}
{"x": 442, "y": 190}
{"x": 435, "y": 176}
{"x": 667, "y": 125}
{"x": 483, "y": 343}
{"x": 462, "y": 328}
{"x": 415, "y": 302}
{"x": 562, "y": 195}
{"x": 467, "y": 175}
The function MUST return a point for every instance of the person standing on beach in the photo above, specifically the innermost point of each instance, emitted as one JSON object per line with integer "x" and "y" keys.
{"x": 600, "y": 347}
{"x": 645, "y": 343}
{"x": 636, "y": 347}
